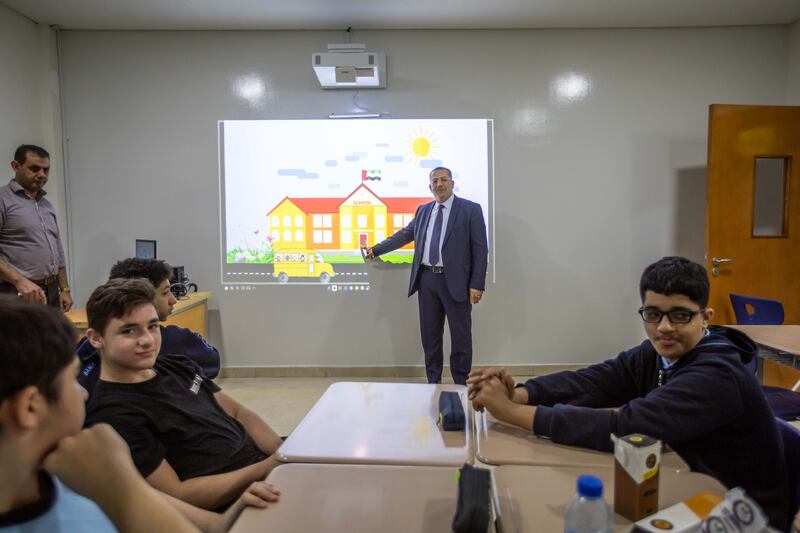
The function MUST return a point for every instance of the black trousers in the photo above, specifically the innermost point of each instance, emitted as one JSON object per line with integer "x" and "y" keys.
{"x": 50, "y": 292}
{"x": 436, "y": 304}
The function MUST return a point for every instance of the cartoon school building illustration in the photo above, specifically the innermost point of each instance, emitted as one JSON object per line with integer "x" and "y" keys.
{"x": 360, "y": 219}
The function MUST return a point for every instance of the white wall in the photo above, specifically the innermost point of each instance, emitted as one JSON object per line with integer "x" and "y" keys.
{"x": 29, "y": 100}
{"x": 588, "y": 192}
{"x": 793, "y": 65}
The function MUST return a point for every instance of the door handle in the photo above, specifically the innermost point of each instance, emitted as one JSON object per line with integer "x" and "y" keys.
{"x": 717, "y": 261}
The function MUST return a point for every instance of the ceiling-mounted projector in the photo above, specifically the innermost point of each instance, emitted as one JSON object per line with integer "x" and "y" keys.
{"x": 350, "y": 66}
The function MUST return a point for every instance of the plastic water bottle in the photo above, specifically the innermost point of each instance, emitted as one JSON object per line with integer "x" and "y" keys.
{"x": 588, "y": 512}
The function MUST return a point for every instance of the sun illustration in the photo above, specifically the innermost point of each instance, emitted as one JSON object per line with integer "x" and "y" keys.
{"x": 421, "y": 144}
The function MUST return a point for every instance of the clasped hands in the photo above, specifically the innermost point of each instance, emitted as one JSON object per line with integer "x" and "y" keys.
{"x": 491, "y": 388}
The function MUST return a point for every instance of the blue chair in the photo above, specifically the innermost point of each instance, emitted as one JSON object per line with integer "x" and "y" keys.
{"x": 791, "y": 449}
{"x": 765, "y": 312}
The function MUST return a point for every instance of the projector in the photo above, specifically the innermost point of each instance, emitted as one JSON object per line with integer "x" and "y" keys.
{"x": 350, "y": 66}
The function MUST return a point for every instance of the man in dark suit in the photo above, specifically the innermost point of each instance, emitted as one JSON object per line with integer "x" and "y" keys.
{"x": 449, "y": 272}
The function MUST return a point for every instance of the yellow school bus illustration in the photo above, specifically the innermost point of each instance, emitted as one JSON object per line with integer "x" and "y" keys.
{"x": 301, "y": 264}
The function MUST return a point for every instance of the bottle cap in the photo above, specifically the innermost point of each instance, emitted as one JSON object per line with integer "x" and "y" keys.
{"x": 590, "y": 486}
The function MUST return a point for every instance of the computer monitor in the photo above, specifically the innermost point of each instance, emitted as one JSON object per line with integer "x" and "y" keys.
{"x": 145, "y": 249}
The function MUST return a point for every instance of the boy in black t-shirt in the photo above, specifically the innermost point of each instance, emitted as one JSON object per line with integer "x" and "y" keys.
{"x": 187, "y": 437}
{"x": 53, "y": 475}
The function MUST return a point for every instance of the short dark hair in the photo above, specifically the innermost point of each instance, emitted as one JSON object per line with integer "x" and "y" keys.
{"x": 449, "y": 172}
{"x": 37, "y": 342}
{"x": 115, "y": 299}
{"x": 21, "y": 153}
{"x": 676, "y": 275}
{"x": 154, "y": 270}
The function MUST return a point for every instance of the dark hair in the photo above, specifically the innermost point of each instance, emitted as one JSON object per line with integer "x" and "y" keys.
{"x": 449, "y": 172}
{"x": 37, "y": 342}
{"x": 676, "y": 275}
{"x": 115, "y": 299}
{"x": 21, "y": 153}
{"x": 154, "y": 270}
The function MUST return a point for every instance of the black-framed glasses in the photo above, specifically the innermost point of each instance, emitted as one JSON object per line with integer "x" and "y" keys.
{"x": 676, "y": 315}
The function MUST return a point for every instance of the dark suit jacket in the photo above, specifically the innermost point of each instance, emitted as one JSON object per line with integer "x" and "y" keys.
{"x": 464, "y": 249}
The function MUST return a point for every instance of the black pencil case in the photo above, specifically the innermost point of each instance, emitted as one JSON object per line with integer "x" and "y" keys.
{"x": 451, "y": 412}
{"x": 473, "y": 508}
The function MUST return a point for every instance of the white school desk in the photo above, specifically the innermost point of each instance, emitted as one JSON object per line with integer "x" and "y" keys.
{"x": 379, "y": 423}
{"x": 498, "y": 443}
{"x": 784, "y": 338}
{"x": 534, "y": 498}
{"x": 357, "y": 498}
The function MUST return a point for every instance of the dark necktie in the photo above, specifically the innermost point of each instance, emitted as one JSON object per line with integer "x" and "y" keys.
{"x": 433, "y": 255}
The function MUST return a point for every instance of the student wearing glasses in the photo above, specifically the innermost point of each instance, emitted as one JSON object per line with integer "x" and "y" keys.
{"x": 685, "y": 385}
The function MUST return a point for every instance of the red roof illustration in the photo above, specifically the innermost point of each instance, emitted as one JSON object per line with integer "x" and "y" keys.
{"x": 317, "y": 205}
{"x": 403, "y": 204}
{"x": 331, "y": 205}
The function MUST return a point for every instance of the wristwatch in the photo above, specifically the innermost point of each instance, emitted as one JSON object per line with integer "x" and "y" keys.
{"x": 63, "y": 289}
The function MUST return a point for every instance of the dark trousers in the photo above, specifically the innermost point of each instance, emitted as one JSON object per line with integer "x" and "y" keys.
{"x": 50, "y": 292}
{"x": 436, "y": 303}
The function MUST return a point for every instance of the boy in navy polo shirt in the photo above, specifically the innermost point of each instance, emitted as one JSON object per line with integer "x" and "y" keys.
{"x": 174, "y": 339}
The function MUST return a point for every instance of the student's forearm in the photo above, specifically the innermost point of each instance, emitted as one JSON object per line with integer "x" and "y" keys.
{"x": 206, "y": 521}
{"x": 135, "y": 507}
{"x": 520, "y": 395}
{"x": 517, "y": 414}
{"x": 264, "y": 436}
{"x": 212, "y": 492}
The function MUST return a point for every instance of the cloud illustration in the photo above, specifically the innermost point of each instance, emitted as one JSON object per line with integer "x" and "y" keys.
{"x": 331, "y": 163}
{"x": 298, "y": 173}
{"x": 430, "y": 163}
{"x": 355, "y": 156}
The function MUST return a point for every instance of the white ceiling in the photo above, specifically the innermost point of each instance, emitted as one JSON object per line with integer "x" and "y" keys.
{"x": 401, "y": 14}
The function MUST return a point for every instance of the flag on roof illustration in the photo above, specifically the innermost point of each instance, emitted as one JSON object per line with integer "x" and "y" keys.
{"x": 371, "y": 175}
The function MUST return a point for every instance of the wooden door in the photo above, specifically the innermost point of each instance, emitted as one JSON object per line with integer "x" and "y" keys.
{"x": 740, "y": 138}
